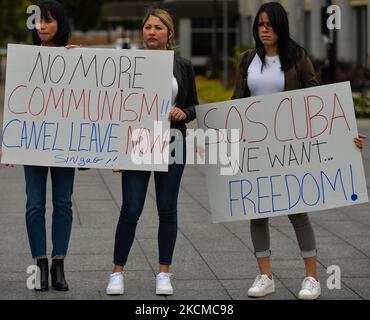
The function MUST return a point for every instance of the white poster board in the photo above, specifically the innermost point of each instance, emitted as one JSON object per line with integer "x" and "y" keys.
{"x": 296, "y": 154}
{"x": 95, "y": 108}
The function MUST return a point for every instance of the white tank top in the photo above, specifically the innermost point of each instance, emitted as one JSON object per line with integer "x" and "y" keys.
{"x": 175, "y": 90}
{"x": 270, "y": 80}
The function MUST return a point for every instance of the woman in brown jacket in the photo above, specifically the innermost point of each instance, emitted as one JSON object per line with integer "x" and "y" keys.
{"x": 278, "y": 64}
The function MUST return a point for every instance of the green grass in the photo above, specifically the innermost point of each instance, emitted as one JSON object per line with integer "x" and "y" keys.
{"x": 210, "y": 90}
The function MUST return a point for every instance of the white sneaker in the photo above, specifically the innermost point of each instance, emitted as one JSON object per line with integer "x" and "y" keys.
{"x": 310, "y": 289}
{"x": 262, "y": 286}
{"x": 163, "y": 284}
{"x": 116, "y": 285}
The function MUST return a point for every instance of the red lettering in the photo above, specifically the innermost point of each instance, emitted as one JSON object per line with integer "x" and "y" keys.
{"x": 333, "y": 117}
{"x": 154, "y": 103}
{"x": 110, "y": 108}
{"x": 260, "y": 124}
{"x": 10, "y": 97}
{"x": 30, "y": 101}
{"x": 61, "y": 98}
{"x": 128, "y": 110}
{"x": 89, "y": 107}
{"x": 317, "y": 115}
{"x": 209, "y": 127}
{"x": 82, "y": 96}
{"x": 275, "y": 120}
{"x": 233, "y": 127}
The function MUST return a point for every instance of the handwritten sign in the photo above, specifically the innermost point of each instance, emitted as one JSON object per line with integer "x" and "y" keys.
{"x": 96, "y": 108}
{"x": 296, "y": 154}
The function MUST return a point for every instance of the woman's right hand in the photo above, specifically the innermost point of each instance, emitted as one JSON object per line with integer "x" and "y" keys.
{"x": 360, "y": 141}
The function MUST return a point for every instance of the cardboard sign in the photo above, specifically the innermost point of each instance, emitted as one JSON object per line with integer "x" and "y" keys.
{"x": 295, "y": 154}
{"x": 95, "y": 108}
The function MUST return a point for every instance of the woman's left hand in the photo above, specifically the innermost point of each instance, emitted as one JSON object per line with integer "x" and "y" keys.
{"x": 176, "y": 114}
{"x": 71, "y": 46}
{"x": 5, "y": 164}
{"x": 359, "y": 141}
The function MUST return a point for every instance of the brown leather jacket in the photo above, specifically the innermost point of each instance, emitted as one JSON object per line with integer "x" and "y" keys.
{"x": 301, "y": 76}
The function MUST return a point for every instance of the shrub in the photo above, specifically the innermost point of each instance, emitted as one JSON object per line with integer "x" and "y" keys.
{"x": 362, "y": 104}
{"x": 210, "y": 90}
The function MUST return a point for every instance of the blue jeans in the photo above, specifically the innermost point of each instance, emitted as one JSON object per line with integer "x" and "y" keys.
{"x": 62, "y": 188}
{"x": 134, "y": 189}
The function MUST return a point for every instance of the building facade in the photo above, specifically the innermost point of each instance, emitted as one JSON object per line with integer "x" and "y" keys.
{"x": 305, "y": 18}
{"x": 201, "y": 27}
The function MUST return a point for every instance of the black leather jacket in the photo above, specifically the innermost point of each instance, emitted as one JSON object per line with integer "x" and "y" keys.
{"x": 187, "y": 97}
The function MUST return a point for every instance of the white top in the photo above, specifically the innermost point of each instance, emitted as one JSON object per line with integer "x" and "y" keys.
{"x": 271, "y": 80}
{"x": 175, "y": 90}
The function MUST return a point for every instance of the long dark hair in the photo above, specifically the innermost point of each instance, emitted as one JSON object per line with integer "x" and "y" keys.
{"x": 57, "y": 12}
{"x": 289, "y": 50}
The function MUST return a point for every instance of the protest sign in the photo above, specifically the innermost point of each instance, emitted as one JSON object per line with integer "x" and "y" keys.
{"x": 95, "y": 108}
{"x": 295, "y": 154}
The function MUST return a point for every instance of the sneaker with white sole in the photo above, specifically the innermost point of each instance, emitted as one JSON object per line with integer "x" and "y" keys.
{"x": 262, "y": 286}
{"x": 163, "y": 284}
{"x": 116, "y": 284}
{"x": 311, "y": 289}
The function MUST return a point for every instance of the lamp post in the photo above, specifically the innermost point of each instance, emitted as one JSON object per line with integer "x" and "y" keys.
{"x": 331, "y": 39}
{"x": 225, "y": 44}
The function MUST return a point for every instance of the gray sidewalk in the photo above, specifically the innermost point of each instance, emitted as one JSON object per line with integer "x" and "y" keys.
{"x": 211, "y": 261}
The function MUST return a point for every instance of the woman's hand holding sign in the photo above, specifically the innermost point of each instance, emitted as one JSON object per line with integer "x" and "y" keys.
{"x": 359, "y": 141}
{"x": 176, "y": 114}
{"x": 6, "y": 164}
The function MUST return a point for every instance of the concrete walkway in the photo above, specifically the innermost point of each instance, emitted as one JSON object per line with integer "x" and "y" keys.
{"x": 211, "y": 261}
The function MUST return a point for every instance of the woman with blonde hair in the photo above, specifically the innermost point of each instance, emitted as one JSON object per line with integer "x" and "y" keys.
{"x": 158, "y": 34}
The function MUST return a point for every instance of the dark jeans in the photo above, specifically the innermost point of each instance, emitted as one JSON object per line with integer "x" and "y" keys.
{"x": 134, "y": 189}
{"x": 62, "y": 188}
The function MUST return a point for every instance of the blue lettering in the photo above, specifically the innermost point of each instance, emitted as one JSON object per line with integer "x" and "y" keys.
{"x": 71, "y": 139}
{"x": 111, "y": 137}
{"x": 55, "y": 139}
{"x": 245, "y": 196}
{"x": 333, "y": 187}
{"x": 46, "y": 124}
{"x": 5, "y": 135}
{"x": 317, "y": 186}
{"x": 288, "y": 189}
{"x": 274, "y": 195}
{"x": 60, "y": 158}
{"x": 81, "y": 136}
{"x": 93, "y": 138}
{"x": 259, "y": 195}
{"x": 231, "y": 199}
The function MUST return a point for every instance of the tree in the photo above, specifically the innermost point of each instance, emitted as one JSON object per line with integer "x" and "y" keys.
{"x": 13, "y": 18}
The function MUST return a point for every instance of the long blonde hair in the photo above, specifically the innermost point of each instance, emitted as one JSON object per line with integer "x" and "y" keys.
{"x": 167, "y": 20}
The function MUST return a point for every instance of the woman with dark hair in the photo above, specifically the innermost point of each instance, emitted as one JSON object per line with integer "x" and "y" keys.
{"x": 278, "y": 64}
{"x": 158, "y": 34}
{"x": 52, "y": 31}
